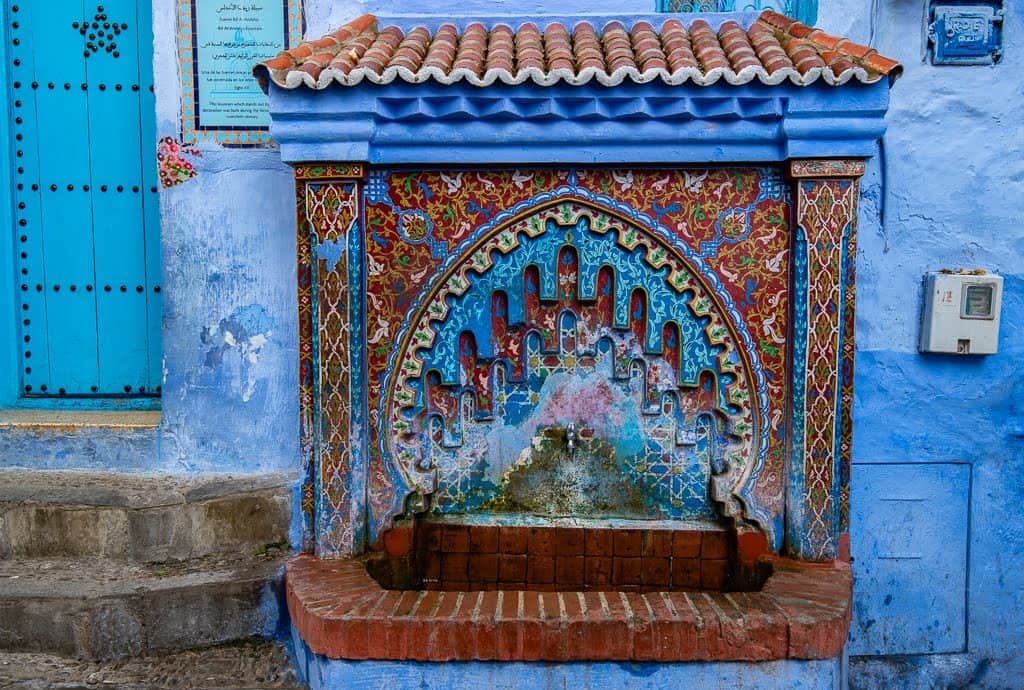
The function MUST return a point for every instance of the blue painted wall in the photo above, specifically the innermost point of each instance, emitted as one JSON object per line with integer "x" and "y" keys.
{"x": 229, "y": 397}
{"x": 230, "y": 323}
{"x": 946, "y": 190}
{"x": 789, "y": 674}
{"x": 944, "y": 432}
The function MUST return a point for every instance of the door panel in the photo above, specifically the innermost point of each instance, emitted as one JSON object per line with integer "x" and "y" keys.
{"x": 88, "y": 242}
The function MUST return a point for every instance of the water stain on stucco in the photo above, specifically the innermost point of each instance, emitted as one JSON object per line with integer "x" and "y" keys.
{"x": 550, "y": 480}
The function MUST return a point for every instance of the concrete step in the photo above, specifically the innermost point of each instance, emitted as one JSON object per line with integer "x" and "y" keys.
{"x": 141, "y": 518}
{"x": 251, "y": 664}
{"x": 104, "y": 609}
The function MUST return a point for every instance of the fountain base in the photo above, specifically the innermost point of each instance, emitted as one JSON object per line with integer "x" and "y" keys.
{"x": 802, "y": 611}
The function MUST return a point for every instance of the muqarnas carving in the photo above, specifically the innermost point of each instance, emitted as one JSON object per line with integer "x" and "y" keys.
{"x": 531, "y": 337}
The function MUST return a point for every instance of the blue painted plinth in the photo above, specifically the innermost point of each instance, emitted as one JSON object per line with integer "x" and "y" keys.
{"x": 789, "y": 674}
{"x": 124, "y": 449}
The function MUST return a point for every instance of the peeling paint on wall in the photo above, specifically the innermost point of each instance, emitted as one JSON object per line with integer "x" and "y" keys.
{"x": 330, "y": 251}
{"x": 244, "y": 333}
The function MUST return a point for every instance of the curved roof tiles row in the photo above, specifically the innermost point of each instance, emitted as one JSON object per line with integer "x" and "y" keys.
{"x": 774, "y": 49}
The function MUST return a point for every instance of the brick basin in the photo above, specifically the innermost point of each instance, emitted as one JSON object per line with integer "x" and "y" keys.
{"x": 801, "y": 611}
{"x": 460, "y": 556}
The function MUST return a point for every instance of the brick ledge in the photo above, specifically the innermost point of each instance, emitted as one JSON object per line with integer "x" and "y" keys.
{"x": 802, "y": 612}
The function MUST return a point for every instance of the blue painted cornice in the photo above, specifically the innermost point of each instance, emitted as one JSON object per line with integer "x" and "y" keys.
{"x": 630, "y": 123}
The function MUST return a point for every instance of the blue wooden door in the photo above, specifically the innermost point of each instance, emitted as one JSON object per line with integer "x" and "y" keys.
{"x": 87, "y": 223}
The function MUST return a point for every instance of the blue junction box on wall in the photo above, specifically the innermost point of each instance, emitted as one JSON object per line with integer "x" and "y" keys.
{"x": 966, "y": 34}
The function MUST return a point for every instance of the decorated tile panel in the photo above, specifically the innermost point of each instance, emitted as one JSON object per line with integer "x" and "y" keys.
{"x": 332, "y": 210}
{"x": 500, "y": 302}
{"x": 824, "y": 262}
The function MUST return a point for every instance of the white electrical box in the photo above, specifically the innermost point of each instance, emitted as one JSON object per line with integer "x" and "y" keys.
{"x": 961, "y": 312}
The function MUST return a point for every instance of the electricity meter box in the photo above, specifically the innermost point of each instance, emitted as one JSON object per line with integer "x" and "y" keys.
{"x": 961, "y": 313}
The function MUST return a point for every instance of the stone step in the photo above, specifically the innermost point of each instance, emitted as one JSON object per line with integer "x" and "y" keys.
{"x": 103, "y": 609}
{"x": 142, "y": 518}
{"x": 250, "y": 664}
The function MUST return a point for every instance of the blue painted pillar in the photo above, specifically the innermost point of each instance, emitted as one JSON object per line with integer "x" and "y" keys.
{"x": 824, "y": 246}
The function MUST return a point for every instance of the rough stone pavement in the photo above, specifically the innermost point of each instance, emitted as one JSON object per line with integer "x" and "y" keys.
{"x": 249, "y": 665}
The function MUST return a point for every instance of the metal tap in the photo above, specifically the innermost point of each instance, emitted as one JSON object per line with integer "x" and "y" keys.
{"x": 570, "y": 437}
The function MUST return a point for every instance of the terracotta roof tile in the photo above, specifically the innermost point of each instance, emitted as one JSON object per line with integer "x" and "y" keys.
{"x": 676, "y": 42}
{"x": 647, "y": 47}
{"x": 769, "y": 51}
{"x": 825, "y": 40}
{"x": 773, "y": 49}
{"x": 737, "y": 47}
{"x": 882, "y": 64}
{"x": 441, "y": 52}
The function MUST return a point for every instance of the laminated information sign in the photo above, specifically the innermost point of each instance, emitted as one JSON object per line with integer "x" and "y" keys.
{"x": 219, "y": 41}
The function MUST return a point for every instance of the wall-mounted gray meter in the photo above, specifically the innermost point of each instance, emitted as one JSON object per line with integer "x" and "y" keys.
{"x": 961, "y": 313}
